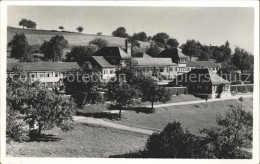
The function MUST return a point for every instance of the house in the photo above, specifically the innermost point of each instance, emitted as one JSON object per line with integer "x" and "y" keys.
{"x": 211, "y": 65}
{"x": 177, "y": 57}
{"x": 204, "y": 82}
{"x": 49, "y": 74}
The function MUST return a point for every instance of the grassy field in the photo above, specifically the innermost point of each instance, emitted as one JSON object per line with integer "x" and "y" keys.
{"x": 37, "y": 37}
{"x": 82, "y": 141}
{"x": 192, "y": 117}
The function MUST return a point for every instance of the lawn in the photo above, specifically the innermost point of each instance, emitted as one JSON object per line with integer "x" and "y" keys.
{"x": 82, "y": 141}
{"x": 193, "y": 116}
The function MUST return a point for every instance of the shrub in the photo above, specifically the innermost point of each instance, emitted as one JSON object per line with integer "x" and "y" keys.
{"x": 14, "y": 129}
{"x": 244, "y": 89}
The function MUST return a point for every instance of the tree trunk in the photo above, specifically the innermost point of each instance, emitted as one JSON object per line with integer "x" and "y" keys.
{"x": 152, "y": 104}
{"x": 40, "y": 130}
{"x": 120, "y": 112}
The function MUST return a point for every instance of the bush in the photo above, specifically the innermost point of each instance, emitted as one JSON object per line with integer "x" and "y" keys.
{"x": 174, "y": 142}
{"x": 244, "y": 89}
{"x": 14, "y": 129}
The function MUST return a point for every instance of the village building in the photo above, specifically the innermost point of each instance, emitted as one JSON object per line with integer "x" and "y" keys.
{"x": 211, "y": 65}
{"x": 48, "y": 74}
{"x": 204, "y": 82}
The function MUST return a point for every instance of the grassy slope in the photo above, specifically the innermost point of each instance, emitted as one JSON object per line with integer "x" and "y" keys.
{"x": 37, "y": 37}
{"x": 83, "y": 141}
{"x": 192, "y": 117}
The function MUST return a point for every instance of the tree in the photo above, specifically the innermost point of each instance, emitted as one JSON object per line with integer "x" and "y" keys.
{"x": 20, "y": 48}
{"x": 243, "y": 60}
{"x": 120, "y": 32}
{"x": 173, "y": 43}
{"x": 82, "y": 85}
{"x": 80, "y": 29}
{"x": 141, "y": 36}
{"x": 153, "y": 50}
{"x": 80, "y": 54}
{"x": 222, "y": 54}
{"x": 174, "y": 142}
{"x": 23, "y": 23}
{"x": 153, "y": 93}
{"x": 161, "y": 38}
{"x": 234, "y": 132}
{"x": 190, "y": 48}
{"x": 53, "y": 49}
{"x": 99, "y": 42}
{"x": 205, "y": 53}
{"x": 122, "y": 93}
{"x": 99, "y": 33}
{"x": 61, "y": 27}
{"x": 31, "y": 24}
{"x": 41, "y": 107}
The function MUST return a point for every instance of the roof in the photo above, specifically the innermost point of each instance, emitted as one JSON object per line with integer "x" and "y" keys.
{"x": 43, "y": 66}
{"x": 200, "y": 76}
{"x": 112, "y": 52}
{"x": 149, "y": 61}
{"x": 203, "y": 64}
{"x": 103, "y": 62}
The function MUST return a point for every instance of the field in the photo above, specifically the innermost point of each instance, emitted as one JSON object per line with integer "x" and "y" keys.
{"x": 37, "y": 37}
{"x": 193, "y": 116}
{"x": 82, "y": 141}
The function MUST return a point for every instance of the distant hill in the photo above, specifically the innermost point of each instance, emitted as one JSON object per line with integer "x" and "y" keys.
{"x": 37, "y": 37}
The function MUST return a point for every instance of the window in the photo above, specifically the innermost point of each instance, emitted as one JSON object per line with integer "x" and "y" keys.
{"x": 161, "y": 69}
{"x": 48, "y": 75}
{"x": 171, "y": 69}
{"x": 176, "y": 68}
{"x": 112, "y": 72}
{"x": 33, "y": 76}
{"x": 105, "y": 72}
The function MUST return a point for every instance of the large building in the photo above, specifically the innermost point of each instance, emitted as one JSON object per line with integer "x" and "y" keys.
{"x": 49, "y": 74}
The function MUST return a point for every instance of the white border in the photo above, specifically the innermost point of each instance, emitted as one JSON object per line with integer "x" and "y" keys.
{"x": 3, "y": 24}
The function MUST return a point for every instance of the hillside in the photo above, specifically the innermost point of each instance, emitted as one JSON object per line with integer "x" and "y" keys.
{"x": 37, "y": 37}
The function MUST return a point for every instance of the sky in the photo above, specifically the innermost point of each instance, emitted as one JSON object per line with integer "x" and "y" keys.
{"x": 211, "y": 25}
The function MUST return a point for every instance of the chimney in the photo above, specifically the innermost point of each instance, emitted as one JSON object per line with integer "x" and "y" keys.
{"x": 128, "y": 48}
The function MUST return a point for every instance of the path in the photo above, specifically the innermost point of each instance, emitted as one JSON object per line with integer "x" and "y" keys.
{"x": 97, "y": 121}
{"x": 198, "y": 101}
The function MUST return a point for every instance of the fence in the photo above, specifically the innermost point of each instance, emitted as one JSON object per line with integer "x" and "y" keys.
{"x": 178, "y": 90}
{"x": 243, "y": 88}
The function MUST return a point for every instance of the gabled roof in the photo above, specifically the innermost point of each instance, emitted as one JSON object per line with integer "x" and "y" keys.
{"x": 200, "y": 76}
{"x": 203, "y": 64}
{"x": 43, "y": 66}
{"x": 115, "y": 52}
{"x": 154, "y": 61}
{"x": 102, "y": 62}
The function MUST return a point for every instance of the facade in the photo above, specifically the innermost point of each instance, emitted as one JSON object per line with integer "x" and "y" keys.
{"x": 49, "y": 74}
{"x": 203, "y": 82}
{"x": 211, "y": 65}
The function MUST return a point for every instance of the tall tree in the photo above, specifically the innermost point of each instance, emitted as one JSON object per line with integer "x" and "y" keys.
{"x": 161, "y": 38}
{"x": 205, "y": 53}
{"x": 243, "y": 60}
{"x": 173, "y": 43}
{"x": 99, "y": 42}
{"x": 222, "y": 54}
{"x": 190, "y": 48}
{"x": 120, "y": 32}
{"x": 80, "y": 54}
{"x": 23, "y": 23}
{"x": 80, "y": 29}
{"x": 153, "y": 50}
{"x": 141, "y": 36}
{"x": 20, "y": 48}
{"x": 31, "y": 24}
{"x": 53, "y": 49}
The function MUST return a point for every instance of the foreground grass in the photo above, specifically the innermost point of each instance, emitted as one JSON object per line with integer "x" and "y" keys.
{"x": 193, "y": 116}
{"x": 82, "y": 141}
